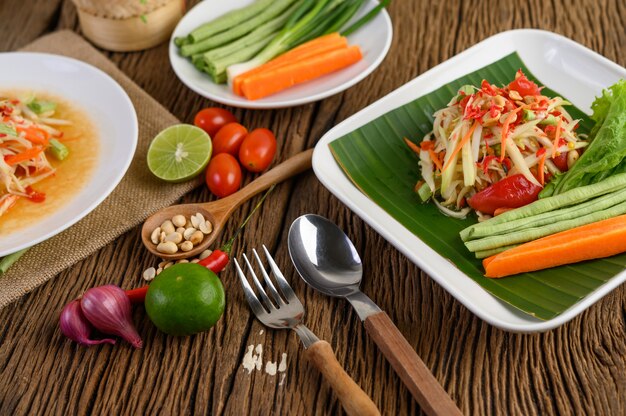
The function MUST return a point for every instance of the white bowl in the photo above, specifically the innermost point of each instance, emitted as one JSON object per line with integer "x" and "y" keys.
{"x": 374, "y": 39}
{"x": 109, "y": 109}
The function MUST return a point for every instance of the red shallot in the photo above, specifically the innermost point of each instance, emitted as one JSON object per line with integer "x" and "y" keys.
{"x": 76, "y": 327}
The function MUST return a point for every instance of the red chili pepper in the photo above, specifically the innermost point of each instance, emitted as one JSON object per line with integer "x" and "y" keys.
{"x": 523, "y": 85}
{"x": 216, "y": 261}
{"x": 511, "y": 192}
{"x": 487, "y": 87}
{"x": 35, "y": 196}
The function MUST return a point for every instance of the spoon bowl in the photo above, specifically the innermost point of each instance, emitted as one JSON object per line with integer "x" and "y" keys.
{"x": 218, "y": 212}
{"x": 324, "y": 256}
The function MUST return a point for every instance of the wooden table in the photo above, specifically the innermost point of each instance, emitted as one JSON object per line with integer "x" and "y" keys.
{"x": 575, "y": 369}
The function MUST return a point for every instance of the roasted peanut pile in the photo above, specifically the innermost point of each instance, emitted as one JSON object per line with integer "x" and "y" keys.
{"x": 180, "y": 233}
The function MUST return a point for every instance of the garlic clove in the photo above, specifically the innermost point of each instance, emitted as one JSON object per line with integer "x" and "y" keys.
{"x": 76, "y": 327}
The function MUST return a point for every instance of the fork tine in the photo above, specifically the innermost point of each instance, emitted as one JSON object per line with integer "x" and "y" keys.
{"x": 268, "y": 282}
{"x": 282, "y": 282}
{"x": 253, "y": 301}
{"x": 268, "y": 303}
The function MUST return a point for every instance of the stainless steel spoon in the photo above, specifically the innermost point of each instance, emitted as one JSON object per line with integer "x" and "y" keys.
{"x": 327, "y": 261}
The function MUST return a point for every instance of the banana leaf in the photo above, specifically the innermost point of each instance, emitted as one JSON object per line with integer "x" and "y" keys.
{"x": 380, "y": 164}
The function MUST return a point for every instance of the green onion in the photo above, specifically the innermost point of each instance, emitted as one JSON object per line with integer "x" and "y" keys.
{"x": 369, "y": 16}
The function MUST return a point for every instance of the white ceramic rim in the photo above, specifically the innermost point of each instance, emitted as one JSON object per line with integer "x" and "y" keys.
{"x": 127, "y": 105}
{"x": 430, "y": 261}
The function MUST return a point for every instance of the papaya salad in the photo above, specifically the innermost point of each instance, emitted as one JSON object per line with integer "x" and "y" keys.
{"x": 29, "y": 135}
{"x": 493, "y": 148}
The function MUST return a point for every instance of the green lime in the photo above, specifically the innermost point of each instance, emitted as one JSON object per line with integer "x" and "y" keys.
{"x": 185, "y": 299}
{"x": 179, "y": 153}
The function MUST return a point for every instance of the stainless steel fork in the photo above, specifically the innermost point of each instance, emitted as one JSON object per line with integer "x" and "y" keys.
{"x": 286, "y": 311}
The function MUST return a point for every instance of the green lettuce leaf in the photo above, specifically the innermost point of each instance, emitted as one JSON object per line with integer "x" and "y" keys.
{"x": 606, "y": 154}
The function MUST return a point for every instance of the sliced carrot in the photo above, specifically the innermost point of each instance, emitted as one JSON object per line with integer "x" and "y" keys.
{"x": 540, "y": 166}
{"x": 277, "y": 79}
{"x": 592, "y": 241}
{"x": 557, "y": 136}
{"x": 22, "y": 156}
{"x": 460, "y": 145}
{"x": 326, "y": 43}
{"x": 412, "y": 146}
{"x": 505, "y": 131}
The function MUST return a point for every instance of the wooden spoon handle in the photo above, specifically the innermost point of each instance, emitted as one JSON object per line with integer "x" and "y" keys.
{"x": 424, "y": 387}
{"x": 290, "y": 167}
{"x": 353, "y": 399}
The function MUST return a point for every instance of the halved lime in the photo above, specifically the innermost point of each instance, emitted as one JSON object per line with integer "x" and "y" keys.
{"x": 179, "y": 153}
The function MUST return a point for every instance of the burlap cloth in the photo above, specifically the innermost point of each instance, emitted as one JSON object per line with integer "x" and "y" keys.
{"x": 137, "y": 196}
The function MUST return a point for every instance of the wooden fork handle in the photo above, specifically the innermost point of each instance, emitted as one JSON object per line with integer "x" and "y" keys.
{"x": 353, "y": 399}
{"x": 424, "y": 387}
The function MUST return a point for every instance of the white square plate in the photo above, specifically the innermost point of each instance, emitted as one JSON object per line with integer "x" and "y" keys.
{"x": 563, "y": 65}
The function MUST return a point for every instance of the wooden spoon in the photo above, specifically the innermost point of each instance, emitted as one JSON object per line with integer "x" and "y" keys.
{"x": 218, "y": 212}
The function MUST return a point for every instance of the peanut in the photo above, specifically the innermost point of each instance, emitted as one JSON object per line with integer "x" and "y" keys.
{"x": 186, "y": 246}
{"x": 179, "y": 220}
{"x": 174, "y": 237}
{"x": 167, "y": 247}
{"x": 156, "y": 234}
{"x": 196, "y": 238}
{"x": 168, "y": 227}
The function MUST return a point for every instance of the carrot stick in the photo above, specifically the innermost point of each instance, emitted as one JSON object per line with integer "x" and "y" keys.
{"x": 592, "y": 241}
{"x": 460, "y": 145}
{"x": 22, "y": 156}
{"x": 326, "y": 43}
{"x": 277, "y": 79}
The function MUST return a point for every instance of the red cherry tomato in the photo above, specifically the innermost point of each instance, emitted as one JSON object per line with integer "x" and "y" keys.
{"x": 524, "y": 86}
{"x": 511, "y": 192}
{"x": 257, "y": 150}
{"x": 212, "y": 119}
{"x": 223, "y": 175}
{"x": 561, "y": 161}
{"x": 229, "y": 138}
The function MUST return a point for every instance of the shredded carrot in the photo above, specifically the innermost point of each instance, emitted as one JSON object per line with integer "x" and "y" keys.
{"x": 460, "y": 145}
{"x": 505, "y": 131}
{"x": 326, "y": 43}
{"x": 592, "y": 241}
{"x": 557, "y": 136}
{"x": 35, "y": 135}
{"x": 435, "y": 158}
{"x": 540, "y": 166}
{"x": 277, "y": 79}
{"x": 22, "y": 156}
{"x": 412, "y": 146}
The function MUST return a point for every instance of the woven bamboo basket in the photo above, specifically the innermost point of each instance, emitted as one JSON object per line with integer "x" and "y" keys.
{"x": 128, "y": 25}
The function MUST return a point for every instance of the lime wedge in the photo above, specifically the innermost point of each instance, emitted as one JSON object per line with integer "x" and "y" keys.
{"x": 179, "y": 153}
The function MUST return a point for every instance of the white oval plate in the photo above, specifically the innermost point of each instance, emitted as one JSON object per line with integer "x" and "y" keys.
{"x": 111, "y": 112}
{"x": 374, "y": 40}
{"x": 559, "y": 63}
